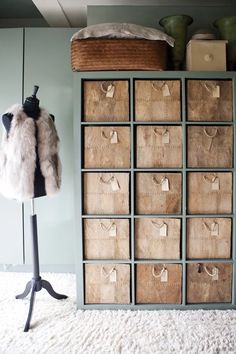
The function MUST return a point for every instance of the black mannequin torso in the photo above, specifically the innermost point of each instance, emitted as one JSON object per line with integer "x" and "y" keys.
{"x": 31, "y": 108}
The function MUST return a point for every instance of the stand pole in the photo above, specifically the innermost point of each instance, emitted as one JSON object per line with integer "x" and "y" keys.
{"x": 35, "y": 250}
{"x": 36, "y": 283}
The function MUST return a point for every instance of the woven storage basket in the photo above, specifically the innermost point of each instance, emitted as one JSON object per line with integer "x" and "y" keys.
{"x": 208, "y": 237}
{"x": 107, "y": 147}
{"x": 118, "y": 54}
{"x": 153, "y": 196}
{"x": 157, "y": 100}
{"x": 209, "y": 282}
{"x": 159, "y": 146}
{"x": 105, "y": 101}
{"x": 156, "y": 287}
{"x": 210, "y": 146}
{"x": 210, "y": 193}
{"x": 209, "y": 100}
{"x": 157, "y": 238}
{"x": 106, "y": 193}
{"x": 106, "y": 239}
{"x": 107, "y": 283}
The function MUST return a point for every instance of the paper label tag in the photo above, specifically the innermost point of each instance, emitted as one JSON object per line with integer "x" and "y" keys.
{"x": 164, "y": 276}
{"x": 115, "y": 184}
{"x": 215, "y": 273}
{"x": 163, "y": 230}
{"x": 215, "y": 186}
{"x": 214, "y": 229}
{"x": 166, "y": 138}
{"x": 110, "y": 91}
{"x": 216, "y": 91}
{"x": 114, "y": 137}
{"x": 165, "y": 185}
{"x": 112, "y": 230}
{"x": 165, "y": 90}
{"x": 112, "y": 277}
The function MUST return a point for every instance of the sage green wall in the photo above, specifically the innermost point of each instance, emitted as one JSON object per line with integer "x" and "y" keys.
{"x": 42, "y": 57}
{"x": 47, "y": 64}
{"x": 11, "y": 64}
{"x": 203, "y": 15}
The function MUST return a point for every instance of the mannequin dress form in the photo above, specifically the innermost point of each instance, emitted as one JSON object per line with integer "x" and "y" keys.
{"x": 31, "y": 108}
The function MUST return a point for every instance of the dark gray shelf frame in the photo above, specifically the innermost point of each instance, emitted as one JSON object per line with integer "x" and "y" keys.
{"x": 79, "y": 170}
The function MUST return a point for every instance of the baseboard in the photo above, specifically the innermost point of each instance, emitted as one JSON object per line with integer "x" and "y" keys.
{"x": 27, "y": 268}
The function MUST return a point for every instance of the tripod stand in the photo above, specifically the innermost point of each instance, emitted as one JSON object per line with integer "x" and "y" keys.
{"x": 36, "y": 283}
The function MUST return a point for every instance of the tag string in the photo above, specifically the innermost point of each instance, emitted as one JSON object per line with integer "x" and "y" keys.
{"x": 158, "y": 132}
{"x": 107, "y": 228}
{"x": 106, "y": 274}
{"x": 105, "y": 90}
{"x": 208, "y": 227}
{"x": 158, "y": 225}
{"x": 112, "y": 132}
{"x": 209, "y": 86}
{"x": 210, "y": 180}
{"x": 210, "y": 136}
{"x": 157, "y": 85}
{"x": 108, "y": 181}
{"x": 155, "y": 181}
{"x": 210, "y": 274}
{"x": 158, "y": 275}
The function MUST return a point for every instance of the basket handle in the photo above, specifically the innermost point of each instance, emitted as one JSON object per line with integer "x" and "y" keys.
{"x": 199, "y": 268}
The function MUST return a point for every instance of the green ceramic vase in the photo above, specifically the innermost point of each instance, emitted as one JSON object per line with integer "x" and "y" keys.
{"x": 176, "y": 27}
{"x": 227, "y": 30}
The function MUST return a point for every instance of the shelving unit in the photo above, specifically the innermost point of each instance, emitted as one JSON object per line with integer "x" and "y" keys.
{"x": 80, "y": 216}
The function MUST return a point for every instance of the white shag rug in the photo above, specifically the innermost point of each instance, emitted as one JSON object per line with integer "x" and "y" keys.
{"x": 58, "y": 328}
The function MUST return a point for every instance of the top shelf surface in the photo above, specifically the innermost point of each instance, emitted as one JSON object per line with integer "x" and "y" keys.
{"x": 93, "y": 75}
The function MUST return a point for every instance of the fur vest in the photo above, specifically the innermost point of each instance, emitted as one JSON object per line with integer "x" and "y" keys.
{"x": 18, "y": 155}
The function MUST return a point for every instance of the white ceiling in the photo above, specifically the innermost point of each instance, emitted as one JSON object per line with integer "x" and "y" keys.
{"x": 73, "y": 13}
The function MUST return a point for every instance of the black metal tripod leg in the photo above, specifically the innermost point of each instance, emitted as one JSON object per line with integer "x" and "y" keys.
{"x": 26, "y": 291}
{"x": 32, "y": 297}
{"x": 46, "y": 285}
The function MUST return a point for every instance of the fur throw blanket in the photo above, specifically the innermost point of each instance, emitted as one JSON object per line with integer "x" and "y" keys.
{"x": 18, "y": 155}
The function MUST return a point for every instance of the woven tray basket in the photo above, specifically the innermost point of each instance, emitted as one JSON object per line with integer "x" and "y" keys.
{"x": 118, "y": 54}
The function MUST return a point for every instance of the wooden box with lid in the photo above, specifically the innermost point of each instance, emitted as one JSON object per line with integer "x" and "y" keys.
{"x": 206, "y": 55}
